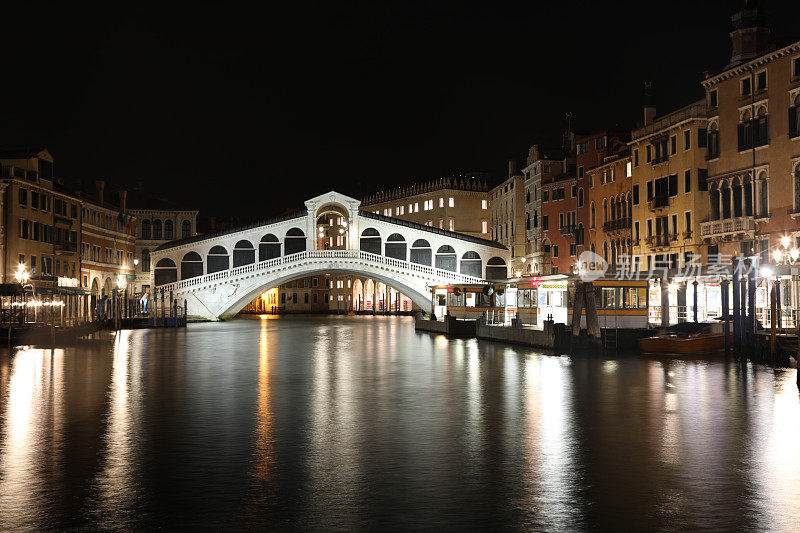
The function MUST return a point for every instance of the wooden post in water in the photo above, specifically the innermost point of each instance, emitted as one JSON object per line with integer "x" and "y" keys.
{"x": 664, "y": 303}
{"x": 737, "y": 326}
{"x": 577, "y": 309}
{"x": 694, "y": 308}
{"x": 592, "y": 325}
{"x": 773, "y": 301}
{"x": 751, "y": 305}
{"x": 726, "y": 313}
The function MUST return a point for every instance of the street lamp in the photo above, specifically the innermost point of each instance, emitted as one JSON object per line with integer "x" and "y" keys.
{"x": 784, "y": 255}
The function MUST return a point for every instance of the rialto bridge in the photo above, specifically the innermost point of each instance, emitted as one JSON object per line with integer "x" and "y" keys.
{"x": 218, "y": 274}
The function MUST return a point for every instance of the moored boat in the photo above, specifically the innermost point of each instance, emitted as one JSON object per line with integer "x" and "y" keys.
{"x": 706, "y": 338}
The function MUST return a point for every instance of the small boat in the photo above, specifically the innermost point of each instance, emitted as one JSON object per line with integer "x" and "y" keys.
{"x": 706, "y": 337}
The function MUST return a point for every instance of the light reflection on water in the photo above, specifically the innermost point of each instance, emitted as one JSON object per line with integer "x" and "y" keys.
{"x": 355, "y": 423}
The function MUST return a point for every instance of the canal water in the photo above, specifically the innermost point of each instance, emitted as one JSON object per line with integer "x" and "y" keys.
{"x": 349, "y": 423}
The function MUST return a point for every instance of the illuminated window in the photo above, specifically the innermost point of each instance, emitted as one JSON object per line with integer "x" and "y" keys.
{"x": 441, "y": 202}
{"x": 484, "y": 205}
{"x": 452, "y": 224}
{"x": 451, "y": 202}
{"x": 483, "y": 225}
{"x": 628, "y": 170}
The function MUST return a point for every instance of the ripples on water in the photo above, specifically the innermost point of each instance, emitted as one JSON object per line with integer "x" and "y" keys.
{"x": 356, "y": 423}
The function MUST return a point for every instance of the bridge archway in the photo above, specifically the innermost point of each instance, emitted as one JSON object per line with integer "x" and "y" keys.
{"x": 166, "y": 272}
{"x": 371, "y": 241}
{"x": 471, "y": 264}
{"x": 396, "y": 246}
{"x": 269, "y": 247}
{"x": 421, "y": 252}
{"x": 191, "y": 265}
{"x": 496, "y": 268}
{"x": 217, "y": 260}
{"x": 294, "y": 242}
{"x": 446, "y": 258}
{"x": 237, "y": 302}
{"x": 243, "y": 253}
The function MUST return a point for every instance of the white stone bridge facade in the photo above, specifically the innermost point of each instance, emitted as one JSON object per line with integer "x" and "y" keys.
{"x": 218, "y": 274}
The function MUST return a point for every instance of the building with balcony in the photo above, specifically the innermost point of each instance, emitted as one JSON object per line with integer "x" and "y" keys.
{"x": 42, "y": 222}
{"x": 541, "y": 170}
{"x": 610, "y": 199}
{"x": 108, "y": 242}
{"x": 508, "y": 223}
{"x": 590, "y": 152}
{"x": 753, "y": 142}
{"x": 669, "y": 190}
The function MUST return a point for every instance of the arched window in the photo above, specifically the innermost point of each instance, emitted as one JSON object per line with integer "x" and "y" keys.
{"x": 294, "y": 242}
{"x": 421, "y": 252}
{"x": 496, "y": 268}
{"x": 269, "y": 247}
{"x": 168, "y": 234}
{"x": 243, "y": 253}
{"x": 166, "y": 272}
{"x": 191, "y": 265}
{"x": 371, "y": 241}
{"x": 396, "y": 246}
{"x": 580, "y": 197}
{"x": 605, "y": 211}
{"x": 218, "y": 260}
{"x": 471, "y": 264}
{"x": 156, "y": 230}
{"x": 591, "y": 215}
{"x": 605, "y": 251}
{"x": 764, "y": 197}
{"x": 145, "y": 260}
{"x": 446, "y": 258}
{"x": 186, "y": 229}
{"x": 146, "y": 230}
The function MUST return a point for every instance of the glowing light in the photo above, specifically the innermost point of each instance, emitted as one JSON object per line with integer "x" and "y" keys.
{"x": 523, "y": 259}
{"x": 794, "y": 254}
{"x": 341, "y": 231}
{"x": 766, "y": 272}
{"x": 518, "y": 273}
{"x": 777, "y": 255}
{"x": 135, "y": 262}
{"x": 120, "y": 282}
{"x": 785, "y": 241}
{"x": 21, "y": 274}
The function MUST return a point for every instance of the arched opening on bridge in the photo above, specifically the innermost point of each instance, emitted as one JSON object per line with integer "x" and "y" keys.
{"x": 332, "y": 229}
{"x": 396, "y": 246}
{"x": 165, "y": 272}
{"x": 371, "y": 241}
{"x": 243, "y": 253}
{"x": 421, "y": 252}
{"x": 269, "y": 247}
{"x": 218, "y": 260}
{"x": 446, "y": 258}
{"x": 191, "y": 265}
{"x": 294, "y": 242}
{"x": 471, "y": 264}
{"x": 496, "y": 268}
{"x": 95, "y": 292}
{"x": 358, "y": 295}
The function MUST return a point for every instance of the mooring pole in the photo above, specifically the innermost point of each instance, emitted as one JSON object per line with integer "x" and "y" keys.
{"x": 737, "y": 328}
{"x": 727, "y": 316}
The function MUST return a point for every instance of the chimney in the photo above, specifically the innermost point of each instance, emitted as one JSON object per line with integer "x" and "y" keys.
{"x": 512, "y": 167}
{"x": 123, "y": 200}
{"x": 100, "y": 185}
{"x": 649, "y": 108}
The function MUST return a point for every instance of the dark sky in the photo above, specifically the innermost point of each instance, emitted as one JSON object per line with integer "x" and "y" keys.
{"x": 237, "y": 111}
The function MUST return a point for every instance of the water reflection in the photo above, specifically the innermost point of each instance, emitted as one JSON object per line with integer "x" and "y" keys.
{"x": 361, "y": 423}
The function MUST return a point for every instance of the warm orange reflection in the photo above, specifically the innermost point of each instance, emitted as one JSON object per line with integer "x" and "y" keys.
{"x": 32, "y": 415}
{"x": 264, "y": 415}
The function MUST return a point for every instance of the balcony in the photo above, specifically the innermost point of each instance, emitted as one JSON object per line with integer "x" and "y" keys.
{"x": 64, "y": 246}
{"x": 727, "y": 227}
{"x": 662, "y": 158}
{"x": 568, "y": 231}
{"x": 658, "y": 203}
{"x": 658, "y": 241}
{"x": 620, "y": 226}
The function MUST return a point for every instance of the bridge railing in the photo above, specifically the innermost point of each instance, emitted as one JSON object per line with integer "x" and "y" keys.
{"x": 268, "y": 264}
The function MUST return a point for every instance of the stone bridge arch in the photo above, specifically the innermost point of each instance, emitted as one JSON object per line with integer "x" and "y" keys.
{"x": 247, "y": 292}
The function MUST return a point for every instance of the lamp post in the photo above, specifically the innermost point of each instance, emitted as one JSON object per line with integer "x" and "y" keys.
{"x": 22, "y": 276}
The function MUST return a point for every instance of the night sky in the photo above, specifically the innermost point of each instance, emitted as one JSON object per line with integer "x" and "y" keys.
{"x": 236, "y": 111}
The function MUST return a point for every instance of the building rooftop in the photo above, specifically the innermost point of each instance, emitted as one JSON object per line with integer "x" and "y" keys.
{"x": 694, "y": 110}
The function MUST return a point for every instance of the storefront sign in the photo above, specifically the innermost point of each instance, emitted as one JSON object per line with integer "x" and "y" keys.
{"x": 68, "y": 282}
